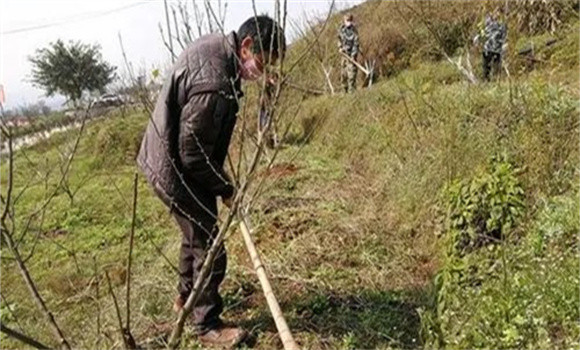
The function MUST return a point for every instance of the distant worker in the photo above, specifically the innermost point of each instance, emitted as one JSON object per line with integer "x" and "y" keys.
{"x": 494, "y": 35}
{"x": 348, "y": 47}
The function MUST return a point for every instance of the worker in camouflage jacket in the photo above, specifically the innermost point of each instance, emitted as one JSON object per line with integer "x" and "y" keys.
{"x": 494, "y": 35}
{"x": 348, "y": 47}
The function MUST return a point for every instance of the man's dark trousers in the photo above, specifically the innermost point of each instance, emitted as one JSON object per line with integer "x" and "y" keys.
{"x": 491, "y": 63}
{"x": 197, "y": 221}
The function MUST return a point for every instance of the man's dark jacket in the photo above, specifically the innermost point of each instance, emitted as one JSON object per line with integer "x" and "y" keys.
{"x": 187, "y": 139}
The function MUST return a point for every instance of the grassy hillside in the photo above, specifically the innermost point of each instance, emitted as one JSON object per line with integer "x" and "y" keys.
{"x": 421, "y": 213}
{"x": 401, "y": 35}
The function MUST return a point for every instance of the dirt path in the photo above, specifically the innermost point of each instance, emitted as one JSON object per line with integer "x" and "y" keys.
{"x": 33, "y": 139}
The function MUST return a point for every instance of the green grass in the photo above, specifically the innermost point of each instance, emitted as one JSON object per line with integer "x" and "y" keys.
{"x": 351, "y": 226}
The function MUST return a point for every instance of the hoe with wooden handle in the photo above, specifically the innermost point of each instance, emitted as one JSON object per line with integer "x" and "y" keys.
{"x": 369, "y": 71}
{"x": 281, "y": 325}
{"x": 365, "y": 71}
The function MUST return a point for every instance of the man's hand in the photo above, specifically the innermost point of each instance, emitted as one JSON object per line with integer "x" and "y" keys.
{"x": 230, "y": 200}
{"x": 272, "y": 79}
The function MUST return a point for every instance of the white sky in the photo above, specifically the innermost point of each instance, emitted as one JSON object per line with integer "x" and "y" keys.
{"x": 100, "y": 22}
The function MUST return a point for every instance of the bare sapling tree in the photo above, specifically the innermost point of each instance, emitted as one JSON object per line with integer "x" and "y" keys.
{"x": 140, "y": 86}
{"x": 17, "y": 225}
{"x": 180, "y": 30}
{"x": 22, "y": 226}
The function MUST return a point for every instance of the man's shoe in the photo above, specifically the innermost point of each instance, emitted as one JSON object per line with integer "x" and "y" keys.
{"x": 223, "y": 336}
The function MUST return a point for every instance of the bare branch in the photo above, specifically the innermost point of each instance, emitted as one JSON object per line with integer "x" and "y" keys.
{"x": 125, "y": 60}
{"x": 223, "y": 18}
{"x": 97, "y": 301}
{"x": 327, "y": 76}
{"x": 67, "y": 166}
{"x": 147, "y": 232}
{"x": 176, "y": 24}
{"x": 185, "y": 19}
{"x": 307, "y": 50}
{"x": 207, "y": 5}
{"x": 410, "y": 117}
{"x": 128, "y": 340}
{"x": 8, "y": 239}
{"x": 11, "y": 311}
{"x": 167, "y": 45}
{"x": 10, "y": 183}
{"x": 34, "y": 290}
{"x": 117, "y": 311}
{"x": 23, "y": 338}
{"x": 129, "y": 258}
{"x": 177, "y": 170}
{"x": 198, "y": 18}
{"x": 168, "y": 32}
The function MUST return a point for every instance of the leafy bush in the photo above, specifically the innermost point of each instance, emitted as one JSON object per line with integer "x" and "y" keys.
{"x": 486, "y": 207}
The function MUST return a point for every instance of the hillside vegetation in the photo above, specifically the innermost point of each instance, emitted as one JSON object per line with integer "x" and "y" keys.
{"x": 423, "y": 212}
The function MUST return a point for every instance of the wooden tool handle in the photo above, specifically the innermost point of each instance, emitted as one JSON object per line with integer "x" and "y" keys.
{"x": 281, "y": 325}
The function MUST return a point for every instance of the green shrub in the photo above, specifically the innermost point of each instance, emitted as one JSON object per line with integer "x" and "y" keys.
{"x": 484, "y": 208}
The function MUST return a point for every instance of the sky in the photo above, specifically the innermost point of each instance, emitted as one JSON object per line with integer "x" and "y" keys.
{"x": 27, "y": 25}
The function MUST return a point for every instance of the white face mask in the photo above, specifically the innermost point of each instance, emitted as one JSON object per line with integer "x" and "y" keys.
{"x": 250, "y": 70}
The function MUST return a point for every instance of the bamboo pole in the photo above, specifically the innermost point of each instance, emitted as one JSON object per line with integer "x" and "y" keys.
{"x": 283, "y": 330}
